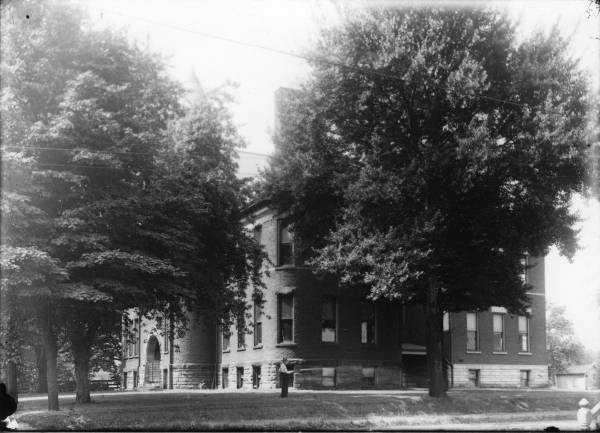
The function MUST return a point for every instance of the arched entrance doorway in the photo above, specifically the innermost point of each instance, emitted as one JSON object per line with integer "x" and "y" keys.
{"x": 152, "y": 361}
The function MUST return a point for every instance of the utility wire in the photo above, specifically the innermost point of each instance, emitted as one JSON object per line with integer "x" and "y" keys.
{"x": 304, "y": 57}
{"x": 104, "y": 152}
{"x": 242, "y": 174}
{"x": 108, "y": 167}
{"x": 107, "y": 153}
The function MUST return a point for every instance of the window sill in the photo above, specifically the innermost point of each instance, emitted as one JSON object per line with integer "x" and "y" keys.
{"x": 476, "y": 352}
{"x": 285, "y": 267}
{"x": 330, "y": 343}
{"x": 525, "y": 353}
{"x": 499, "y": 353}
{"x": 258, "y": 346}
{"x": 241, "y": 349}
{"x": 286, "y": 344}
{"x": 226, "y": 350}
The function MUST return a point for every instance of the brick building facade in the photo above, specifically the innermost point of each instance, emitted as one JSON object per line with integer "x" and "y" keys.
{"x": 336, "y": 339}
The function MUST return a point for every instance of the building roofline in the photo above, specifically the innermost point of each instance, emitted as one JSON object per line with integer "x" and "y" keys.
{"x": 254, "y": 206}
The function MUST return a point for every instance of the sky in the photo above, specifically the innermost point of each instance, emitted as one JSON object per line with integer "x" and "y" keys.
{"x": 198, "y": 34}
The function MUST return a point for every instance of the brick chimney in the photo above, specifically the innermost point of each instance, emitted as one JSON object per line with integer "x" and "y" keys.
{"x": 284, "y": 98}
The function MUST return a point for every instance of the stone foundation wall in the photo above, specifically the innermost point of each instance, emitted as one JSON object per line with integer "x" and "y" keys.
{"x": 193, "y": 376}
{"x": 326, "y": 374}
{"x": 500, "y": 375}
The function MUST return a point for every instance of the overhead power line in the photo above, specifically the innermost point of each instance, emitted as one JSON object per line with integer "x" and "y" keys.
{"x": 301, "y": 56}
{"x": 106, "y": 152}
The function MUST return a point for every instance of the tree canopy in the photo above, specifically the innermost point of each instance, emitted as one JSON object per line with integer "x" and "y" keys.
{"x": 429, "y": 154}
{"x": 113, "y": 197}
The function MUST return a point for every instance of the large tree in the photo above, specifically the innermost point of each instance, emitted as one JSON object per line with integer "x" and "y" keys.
{"x": 429, "y": 153}
{"x": 83, "y": 114}
{"x": 130, "y": 217}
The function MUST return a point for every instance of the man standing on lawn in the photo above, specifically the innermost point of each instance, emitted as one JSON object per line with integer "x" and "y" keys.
{"x": 283, "y": 377}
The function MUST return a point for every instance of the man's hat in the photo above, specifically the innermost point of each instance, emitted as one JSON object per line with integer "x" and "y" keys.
{"x": 583, "y": 402}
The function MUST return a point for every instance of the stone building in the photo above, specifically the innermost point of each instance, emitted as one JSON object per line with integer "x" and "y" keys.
{"x": 334, "y": 338}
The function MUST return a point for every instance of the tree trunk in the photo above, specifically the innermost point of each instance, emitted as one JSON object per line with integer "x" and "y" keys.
{"x": 40, "y": 362}
{"x": 51, "y": 370}
{"x": 81, "y": 358}
{"x": 8, "y": 344}
{"x": 435, "y": 368}
{"x": 11, "y": 379}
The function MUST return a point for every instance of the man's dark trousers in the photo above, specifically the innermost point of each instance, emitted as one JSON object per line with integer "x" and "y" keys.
{"x": 284, "y": 384}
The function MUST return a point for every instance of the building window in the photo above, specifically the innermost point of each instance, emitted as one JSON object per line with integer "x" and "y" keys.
{"x": 241, "y": 332}
{"x": 524, "y": 264}
{"x": 257, "y": 232}
{"x": 286, "y": 247}
{"x": 368, "y": 323}
{"x": 257, "y": 323}
{"x": 225, "y": 378}
{"x": 498, "y": 329}
{"x": 133, "y": 339}
{"x": 285, "y": 307}
{"x": 472, "y": 332}
{"x": 446, "y": 322}
{"x": 524, "y": 334}
{"x": 226, "y": 339}
{"x": 474, "y": 377}
{"x": 328, "y": 376}
{"x": 328, "y": 319}
{"x": 240, "y": 377}
{"x": 128, "y": 338}
{"x": 166, "y": 333}
{"x": 256, "y": 376}
{"x": 368, "y": 377}
{"x": 136, "y": 338}
{"x": 524, "y": 378}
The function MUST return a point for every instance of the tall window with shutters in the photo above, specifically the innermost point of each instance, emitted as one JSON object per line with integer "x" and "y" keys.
{"x": 241, "y": 332}
{"x": 498, "y": 332}
{"x": 368, "y": 323}
{"x": 226, "y": 338}
{"x": 524, "y": 334}
{"x": 328, "y": 319}
{"x": 285, "y": 307}
{"x": 286, "y": 246}
{"x": 524, "y": 263}
{"x": 472, "y": 332}
{"x": 166, "y": 333}
{"x": 257, "y": 232}
{"x": 133, "y": 338}
{"x": 257, "y": 323}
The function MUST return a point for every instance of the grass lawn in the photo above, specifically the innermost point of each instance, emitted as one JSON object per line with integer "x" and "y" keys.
{"x": 218, "y": 410}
